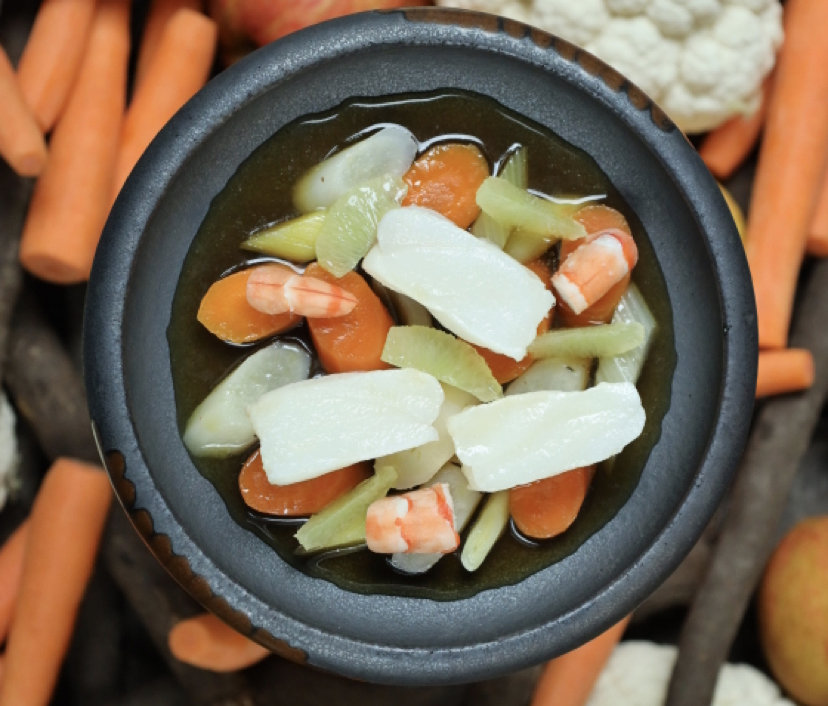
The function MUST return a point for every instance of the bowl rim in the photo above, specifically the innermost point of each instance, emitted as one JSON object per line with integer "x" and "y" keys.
{"x": 109, "y": 409}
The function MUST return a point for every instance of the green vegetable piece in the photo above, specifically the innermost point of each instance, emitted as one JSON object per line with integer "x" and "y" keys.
{"x": 525, "y": 246}
{"x": 602, "y": 341}
{"x": 487, "y": 529}
{"x": 342, "y": 523}
{"x": 440, "y": 354}
{"x": 293, "y": 240}
{"x": 350, "y": 228}
{"x": 513, "y": 207}
{"x": 627, "y": 367}
{"x": 515, "y": 171}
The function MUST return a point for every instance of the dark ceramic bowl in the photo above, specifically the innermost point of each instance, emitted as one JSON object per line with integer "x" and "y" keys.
{"x": 386, "y": 638}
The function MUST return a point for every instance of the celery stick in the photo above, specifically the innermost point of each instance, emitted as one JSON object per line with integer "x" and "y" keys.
{"x": 487, "y": 529}
{"x": 440, "y": 354}
{"x": 513, "y": 207}
{"x": 562, "y": 374}
{"x": 342, "y": 523}
{"x": 602, "y": 341}
{"x": 294, "y": 240}
{"x": 515, "y": 171}
{"x": 525, "y": 246}
{"x": 627, "y": 367}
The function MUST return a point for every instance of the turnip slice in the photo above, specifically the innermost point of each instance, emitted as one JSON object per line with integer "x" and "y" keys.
{"x": 418, "y": 465}
{"x": 559, "y": 374}
{"x": 319, "y": 425}
{"x": 219, "y": 426}
{"x": 470, "y": 286}
{"x": 524, "y": 438}
{"x": 465, "y": 501}
{"x": 627, "y": 367}
{"x": 487, "y": 529}
{"x": 389, "y": 151}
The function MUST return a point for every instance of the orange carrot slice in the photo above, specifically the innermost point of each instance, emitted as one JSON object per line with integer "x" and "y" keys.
{"x": 548, "y": 507}
{"x": 67, "y": 521}
{"x": 206, "y": 642}
{"x": 446, "y": 179}
{"x": 305, "y": 498}
{"x": 11, "y": 568}
{"x": 354, "y": 341}
{"x": 160, "y": 13}
{"x": 783, "y": 371}
{"x": 21, "y": 142}
{"x": 818, "y": 235}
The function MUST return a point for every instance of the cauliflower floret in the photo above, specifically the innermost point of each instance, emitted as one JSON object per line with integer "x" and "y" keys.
{"x": 638, "y": 673}
{"x": 578, "y": 22}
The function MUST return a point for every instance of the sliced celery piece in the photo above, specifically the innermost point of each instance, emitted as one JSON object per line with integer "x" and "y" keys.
{"x": 562, "y": 374}
{"x": 513, "y": 207}
{"x": 342, "y": 523}
{"x": 350, "y": 227}
{"x": 487, "y": 529}
{"x": 294, "y": 240}
{"x": 627, "y": 367}
{"x": 602, "y": 341}
{"x": 440, "y": 354}
{"x": 525, "y": 246}
{"x": 515, "y": 171}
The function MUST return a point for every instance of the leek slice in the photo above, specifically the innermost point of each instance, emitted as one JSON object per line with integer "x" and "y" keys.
{"x": 294, "y": 240}
{"x": 627, "y": 367}
{"x": 515, "y": 171}
{"x": 487, "y": 529}
{"x": 603, "y": 341}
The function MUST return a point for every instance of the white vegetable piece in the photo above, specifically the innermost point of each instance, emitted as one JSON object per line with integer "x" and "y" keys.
{"x": 552, "y": 374}
{"x": 8, "y": 449}
{"x": 317, "y": 426}
{"x": 469, "y": 285}
{"x": 388, "y": 152}
{"x": 418, "y": 465}
{"x": 219, "y": 426}
{"x": 465, "y": 501}
{"x": 524, "y": 438}
{"x": 627, "y": 367}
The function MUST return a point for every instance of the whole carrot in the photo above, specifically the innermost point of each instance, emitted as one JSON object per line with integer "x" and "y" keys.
{"x": 159, "y": 15}
{"x": 11, "y": 566}
{"x": 72, "y": 198}
{"x": 782, "y": 371}
{"x": 791, "y": 164}
{"x": 206, "y": 642}
{"x": 21, "y": 142}
{"x": 65, "y": 528}
{"x": 179, "y": 67}
{"x": 569, "y": 679}
{"x": 818, "y": 235}
{"x": 53, "y": 55}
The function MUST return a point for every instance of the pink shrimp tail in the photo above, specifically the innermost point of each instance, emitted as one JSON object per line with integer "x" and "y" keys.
{"x": 276, "y": 289}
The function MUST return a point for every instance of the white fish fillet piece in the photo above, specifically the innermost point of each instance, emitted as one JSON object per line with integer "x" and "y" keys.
{"x": 320, "y": 425}
{"x": 470, "y": 286}
{"x": 524, "y": 438}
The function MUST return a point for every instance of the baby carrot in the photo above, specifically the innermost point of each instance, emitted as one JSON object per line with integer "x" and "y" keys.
{"x": 179, "y": 67}
{"x": 791, "y": 164}
{"x": 569, "y": 679}
{"x": 11, "y": 566}
{"x": 72, "y": 197}
{"x": 548, "y": 507}
{"x": 226, "y": 313}
{"x": 206, "y": 642}
{"x": 818, "y": 237}
{"x": 726, "y": 147}
{"x": 53, "y": 56}
{"x": 785, "y": 370}
{"x": 65, "y": 528}
{"x": 159, "y": 15}
{"x": 446, "y": 179}
{"x": 296, "y": 499}
{"x": 355, "y": 341}
{"x": 21, "y": 142}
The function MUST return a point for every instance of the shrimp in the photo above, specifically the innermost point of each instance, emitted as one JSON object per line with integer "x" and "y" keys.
{"x": 417, "y": 522}
{"x": 275, "y": 289}
{"x": 594, "y": 268}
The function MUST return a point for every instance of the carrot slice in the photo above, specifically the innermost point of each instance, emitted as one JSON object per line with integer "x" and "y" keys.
{"x": 21, "y": 142}
{"x": 783, "y": 371}
{"x": 304, "y": 498}
{"x": 446, "y": 179}
{"x": 548, "y": 507}
{"x": 226, "y": 313}
{"x": 504, "y": 368}
{"x": 206, "y": 642}
{"x": 159, "y": 15}
{"x": 11, "y": 568}
{"x": 354, "y": 341}
{"x": 818, "y": 236}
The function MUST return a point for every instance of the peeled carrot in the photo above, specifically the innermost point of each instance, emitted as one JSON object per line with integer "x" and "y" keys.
{"x": 548, "y": 507}
{"x": 504, "y": 368}
{"x": 206, "y": 642}
{"x": 66, "y": 524}
{"x": 355, "y": 341}
{"x": 782, "y": 371}
{"x": 791, "y": 163}
{"x": 72, "y": 197}
{"x": 446, "y": 179}
{"x": 296, "y": 499}
{"x": 11, "y": 566}
{"x": 53, "y": 56}
{"x": 726, "y": 147}
{"x": 159, "y": 15}
{"x": 818, "y": 235}
{"x": 179, "y": 67}
{"x": 21, "y": 142}
{"x": 226, "y": 313}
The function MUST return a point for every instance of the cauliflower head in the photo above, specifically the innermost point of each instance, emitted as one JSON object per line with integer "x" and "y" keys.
{"x": 702, "y": 61}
